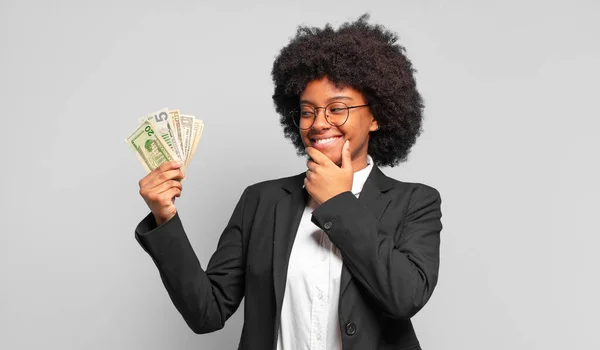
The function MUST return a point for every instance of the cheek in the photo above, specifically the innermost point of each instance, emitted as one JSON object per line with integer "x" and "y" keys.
{"x": 304, "y": 138}
{"x": 358, "y": 135}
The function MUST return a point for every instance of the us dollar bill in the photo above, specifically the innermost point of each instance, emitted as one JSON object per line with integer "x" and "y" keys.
{"x": 197, "y": 133}
{"x": 160, "y": 123}
{"x": 150, "y": 150}
{"x": 176, "y": 131}
{"x": 176, "y": 121}
{"x": 187, "y": 128}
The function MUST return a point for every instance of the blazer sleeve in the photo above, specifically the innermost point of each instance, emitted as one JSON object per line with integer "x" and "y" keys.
{"x": 399, "y": 274}
{"x": 205, "y": 299}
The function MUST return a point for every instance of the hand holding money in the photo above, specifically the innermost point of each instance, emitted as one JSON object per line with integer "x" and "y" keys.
{"x": 164, "y": 136}
{"x": 164, "y": 142}
{"x": 160, "y": 188}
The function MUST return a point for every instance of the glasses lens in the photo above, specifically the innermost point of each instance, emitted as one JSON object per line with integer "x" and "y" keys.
{"x": 337, "y": 113}
{"x": 303, "y": 117}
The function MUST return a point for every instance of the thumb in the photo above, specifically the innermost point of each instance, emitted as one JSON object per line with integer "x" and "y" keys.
{"x": 346, "y": 156}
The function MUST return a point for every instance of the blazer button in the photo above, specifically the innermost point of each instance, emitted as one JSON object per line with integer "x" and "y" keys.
{"x": 327, "y": 225}
{"x": 350, "y": 328}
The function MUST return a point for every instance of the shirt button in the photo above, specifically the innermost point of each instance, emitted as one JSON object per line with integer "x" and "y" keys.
{"x": 318, "y": 337}
{"x": 350, "y": 328}
{"x": 321, "y": 296}
{"x": 327, "y": 225}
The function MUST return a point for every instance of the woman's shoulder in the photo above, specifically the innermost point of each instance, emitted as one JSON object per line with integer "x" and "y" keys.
{"x": 274, "y": 187}
{"x": 414, "y": 189}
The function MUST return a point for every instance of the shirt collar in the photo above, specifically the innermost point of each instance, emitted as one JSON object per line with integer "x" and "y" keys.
{"x": 360, "y": 177}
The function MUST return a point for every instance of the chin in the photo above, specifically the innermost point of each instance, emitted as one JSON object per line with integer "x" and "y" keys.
{"x": 337, "y": 159}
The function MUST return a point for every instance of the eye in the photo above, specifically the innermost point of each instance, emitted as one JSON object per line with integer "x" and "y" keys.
{"x": 307, "y": 112}
{"x": 337, "y": 110}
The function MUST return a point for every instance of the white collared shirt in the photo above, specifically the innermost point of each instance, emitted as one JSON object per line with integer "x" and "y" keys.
{"x": 309, "y": 313}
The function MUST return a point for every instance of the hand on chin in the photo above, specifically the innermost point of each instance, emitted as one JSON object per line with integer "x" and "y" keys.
{"x": 326, "y": 179}
{"x": 336, "y": 159}
{"x": 334, "y": 154}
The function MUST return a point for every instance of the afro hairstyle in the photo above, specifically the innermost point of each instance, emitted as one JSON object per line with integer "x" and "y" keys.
{"x": 365, "y": 57}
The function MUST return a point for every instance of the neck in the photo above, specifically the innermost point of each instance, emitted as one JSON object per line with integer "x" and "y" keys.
{"x": 359, "y": 163}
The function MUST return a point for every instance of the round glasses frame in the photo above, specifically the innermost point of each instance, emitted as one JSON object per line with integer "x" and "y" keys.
{"x": 330, "y": 109}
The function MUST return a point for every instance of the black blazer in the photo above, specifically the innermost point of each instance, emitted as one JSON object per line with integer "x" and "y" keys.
{"x": 389, "y": 239}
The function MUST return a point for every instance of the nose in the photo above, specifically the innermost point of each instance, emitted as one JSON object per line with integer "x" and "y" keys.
{"x": 320, "y": 120}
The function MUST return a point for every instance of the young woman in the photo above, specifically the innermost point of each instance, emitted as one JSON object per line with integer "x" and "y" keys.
{"x": 340, "y": 256}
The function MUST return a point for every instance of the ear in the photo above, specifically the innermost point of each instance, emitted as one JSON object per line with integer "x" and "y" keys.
{"x": 374, "y": 125}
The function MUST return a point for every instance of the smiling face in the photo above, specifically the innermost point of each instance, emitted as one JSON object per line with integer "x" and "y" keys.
{"x": 329, "y": 139}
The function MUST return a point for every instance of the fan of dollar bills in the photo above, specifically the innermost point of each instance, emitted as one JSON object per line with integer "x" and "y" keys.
{"x": 164, "y": 136}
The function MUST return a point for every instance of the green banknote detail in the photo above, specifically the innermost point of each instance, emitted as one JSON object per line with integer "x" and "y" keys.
{"x": 160, "y": 124}
{"x": 149, "y": 148}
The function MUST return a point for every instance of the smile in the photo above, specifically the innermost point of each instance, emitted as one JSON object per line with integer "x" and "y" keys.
{"x": 327, "y": 140}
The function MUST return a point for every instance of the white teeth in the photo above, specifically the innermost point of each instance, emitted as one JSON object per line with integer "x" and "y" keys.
{"x": 324, "y": 141}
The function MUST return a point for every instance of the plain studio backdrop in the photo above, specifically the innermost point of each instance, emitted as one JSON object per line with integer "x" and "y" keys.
{"x": 510, "y": 141}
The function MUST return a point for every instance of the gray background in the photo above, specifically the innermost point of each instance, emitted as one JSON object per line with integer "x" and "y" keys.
{"x": 510, "y": 141}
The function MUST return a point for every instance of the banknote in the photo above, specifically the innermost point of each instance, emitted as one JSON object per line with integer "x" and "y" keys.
{"x": 176, "y": 119}
{"x": 166, "y": 135}
{"x": 187, "y": 128}
{"x": 160, "y": 124}
{"x": 197, "y": 133}
{"x": 149, "y": 149}
{"x": 175, "y": 127}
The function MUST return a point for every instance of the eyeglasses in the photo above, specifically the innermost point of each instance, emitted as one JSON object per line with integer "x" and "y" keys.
{"x": 336, "y": 114}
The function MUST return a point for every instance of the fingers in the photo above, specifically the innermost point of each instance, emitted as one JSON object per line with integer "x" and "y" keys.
{"x": 172, "y": 165}
{"x": 155, "y": 188}
{"x": 164, "y": 198}
{"x": 169, "y": 195}
{"x": 166, "y": 204}
{"x": 167, "y": 185}
{"x": 311, "y": 165}
{"x": 317, "y": 156}
{"x": 168, "y": 175}
{"x": 346, "y": 156}
{"x": 163, "y": 177}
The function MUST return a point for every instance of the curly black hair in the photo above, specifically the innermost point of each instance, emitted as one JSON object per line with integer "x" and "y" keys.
{"x": 362, "y": 56}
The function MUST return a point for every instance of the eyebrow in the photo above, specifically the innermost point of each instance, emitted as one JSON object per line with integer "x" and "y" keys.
{"x": 334, "y": 98}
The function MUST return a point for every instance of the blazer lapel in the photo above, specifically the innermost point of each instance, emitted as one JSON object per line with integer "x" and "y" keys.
{"x": 288, "y": 213}
{"x": 373, "y": 197}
